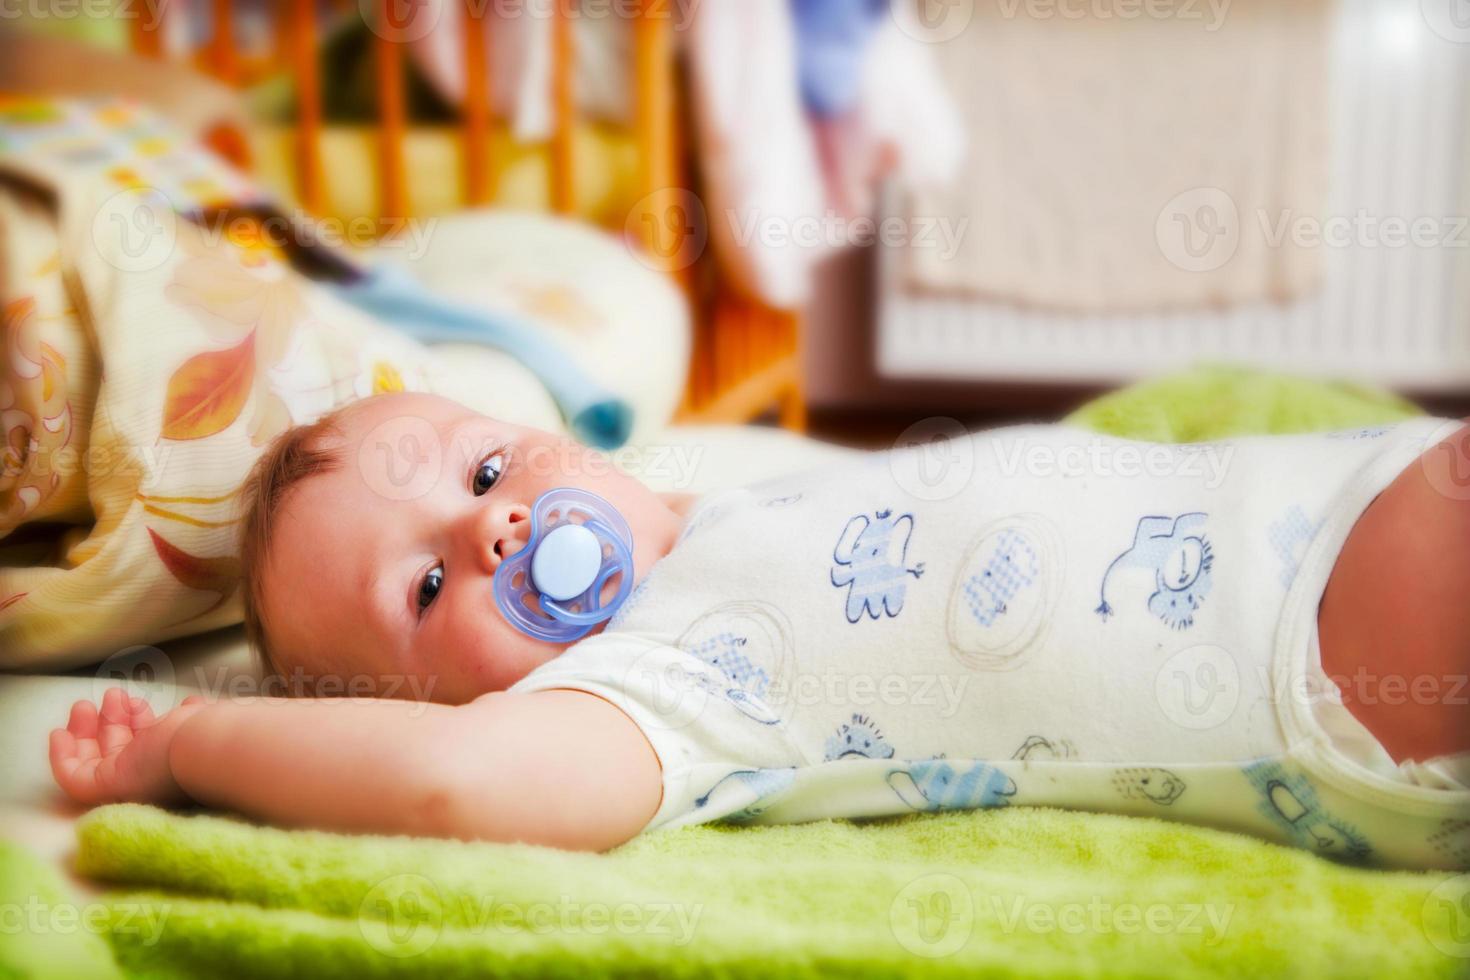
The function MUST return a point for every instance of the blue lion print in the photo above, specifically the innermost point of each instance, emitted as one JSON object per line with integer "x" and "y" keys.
{"x": 935, "y": 784}
{"x": 1177, "y": 552}
{"x": 1290, "y": 537}
{"x": 1291, "y": 803}
{"x": 858, "y": 739}
{"x": 871, "y": 561}
{"x": 760, "y": 785}
{"x": 726, "y": 651}
{"x": 1013, "y": 566}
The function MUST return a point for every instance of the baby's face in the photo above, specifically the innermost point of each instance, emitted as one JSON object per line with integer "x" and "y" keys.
{"x": 383, "y": 567}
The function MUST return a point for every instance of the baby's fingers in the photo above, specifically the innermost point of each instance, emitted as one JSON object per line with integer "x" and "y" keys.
{"x": 83, "y": 720}
{"x": 116, "y": 709}
{"x": 142, "y": 713}
{"x": 75, "y": 774}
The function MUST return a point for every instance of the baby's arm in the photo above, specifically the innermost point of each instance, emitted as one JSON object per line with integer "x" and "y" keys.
{"x": 561, "y": 768}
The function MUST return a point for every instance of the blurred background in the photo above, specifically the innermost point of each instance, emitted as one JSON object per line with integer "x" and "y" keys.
{"x": 877, "y": 210}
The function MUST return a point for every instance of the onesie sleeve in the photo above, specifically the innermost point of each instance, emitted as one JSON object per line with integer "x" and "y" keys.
{"x": 706, "y": 733}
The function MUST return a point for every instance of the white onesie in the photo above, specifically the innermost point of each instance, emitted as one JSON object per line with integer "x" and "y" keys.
{"x": 1033, "y": 615}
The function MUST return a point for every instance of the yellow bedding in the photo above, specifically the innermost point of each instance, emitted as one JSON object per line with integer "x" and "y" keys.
{"x": 605, "y": 162}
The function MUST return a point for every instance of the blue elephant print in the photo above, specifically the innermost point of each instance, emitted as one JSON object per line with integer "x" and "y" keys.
{"x": 726, "y": 651}
{"x": 759, "y": 786}
{"x": 871, "y": 562}
{"x": 1291, "y": 803}
{"x": 858, "y": 739}
{"x": 1179, "y": 555}
{"x": 935, "y": 784}
{"x": 1290, "y": 537}
{"x": 1013, "y": 566}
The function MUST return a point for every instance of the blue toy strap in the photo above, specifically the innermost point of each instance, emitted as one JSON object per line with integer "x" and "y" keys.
{"x": 594, "y": 415}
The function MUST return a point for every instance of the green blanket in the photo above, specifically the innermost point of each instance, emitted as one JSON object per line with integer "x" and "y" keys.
{"x": 1014, "y": 892}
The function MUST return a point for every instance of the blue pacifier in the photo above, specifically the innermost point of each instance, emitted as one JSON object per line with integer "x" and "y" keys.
{"x": 552, "y": 588}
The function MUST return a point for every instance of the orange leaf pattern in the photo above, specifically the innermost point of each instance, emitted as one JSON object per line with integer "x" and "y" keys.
{"x": 219, "y": 575}
{"x": 206, "y": 394}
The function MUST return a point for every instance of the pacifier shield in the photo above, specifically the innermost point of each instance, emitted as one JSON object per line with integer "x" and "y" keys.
{"x": 566, "y": 562}
{"x": 555, "y": 588}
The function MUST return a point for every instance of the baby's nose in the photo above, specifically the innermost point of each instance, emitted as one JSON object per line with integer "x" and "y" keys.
{"x": 505, "y": 530}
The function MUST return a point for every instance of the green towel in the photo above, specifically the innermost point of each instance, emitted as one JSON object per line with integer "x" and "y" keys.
{"x": 1003, "y": 893}
{"x": 44, "y": 930}
{"x": 1016, "y": 892}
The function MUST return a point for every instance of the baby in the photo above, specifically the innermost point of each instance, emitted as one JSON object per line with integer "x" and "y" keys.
{"x": 1059, "y": 618}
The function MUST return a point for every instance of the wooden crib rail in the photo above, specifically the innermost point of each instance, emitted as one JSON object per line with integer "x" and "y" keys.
{"x": 745, "y": 355}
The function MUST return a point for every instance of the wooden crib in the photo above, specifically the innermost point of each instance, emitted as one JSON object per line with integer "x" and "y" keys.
{"x": 745, "y": 354}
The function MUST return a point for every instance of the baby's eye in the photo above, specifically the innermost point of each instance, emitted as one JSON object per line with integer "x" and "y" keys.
{"x": 429, "y": 587}
{"x": 487, "y": 474}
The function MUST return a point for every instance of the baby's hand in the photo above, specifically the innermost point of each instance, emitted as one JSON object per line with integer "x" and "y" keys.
{"x": 119, "y": 755}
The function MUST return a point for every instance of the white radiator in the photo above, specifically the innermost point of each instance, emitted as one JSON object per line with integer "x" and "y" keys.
{"x": 1398, "y": 316}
